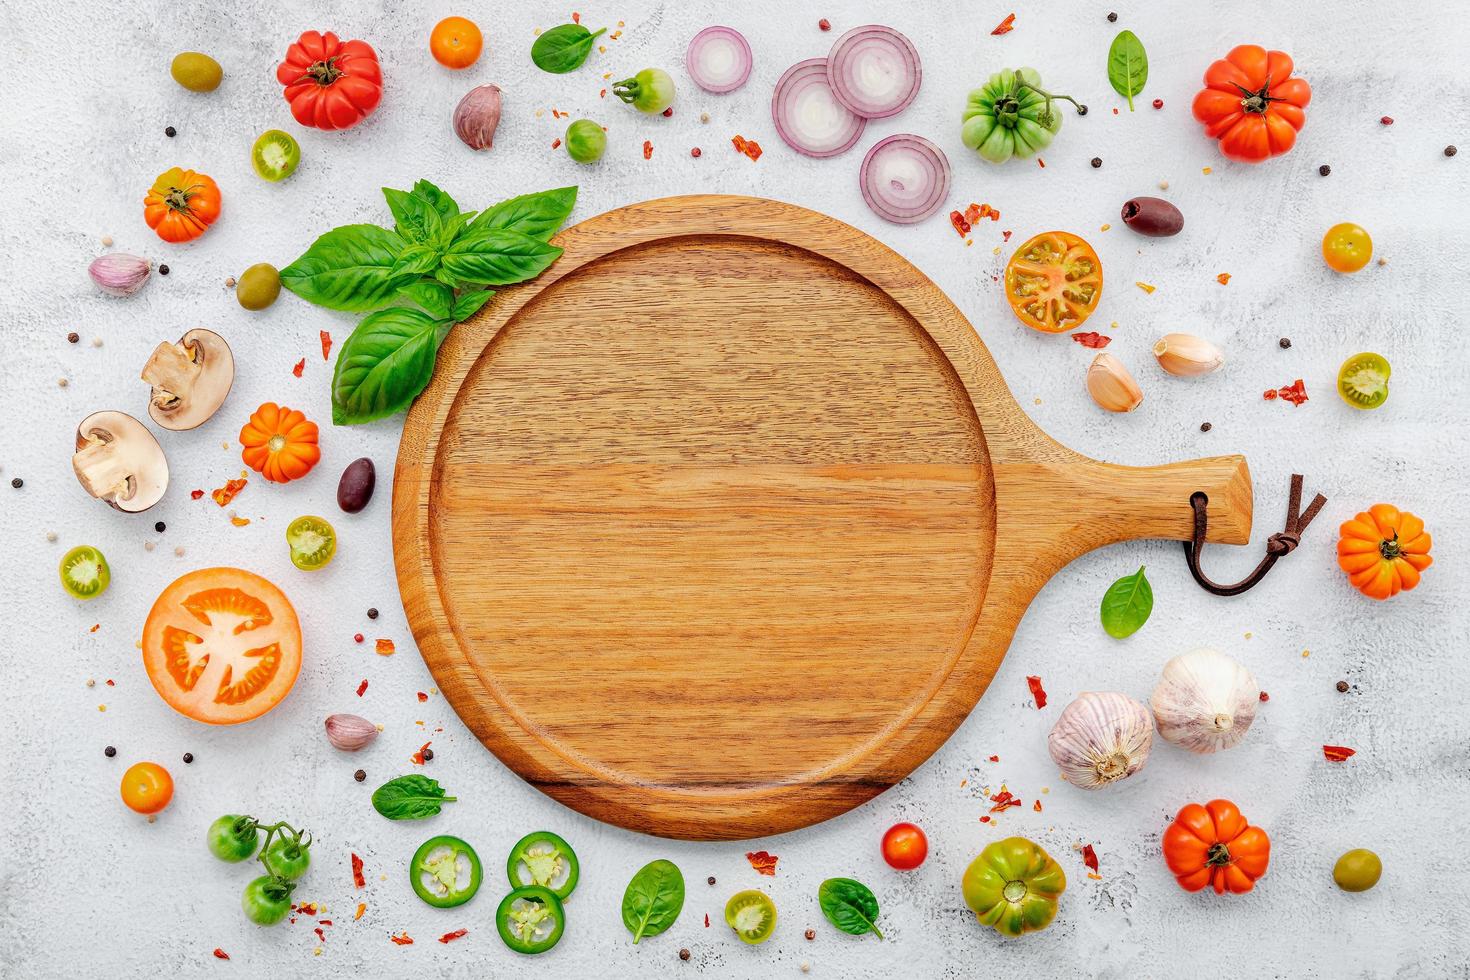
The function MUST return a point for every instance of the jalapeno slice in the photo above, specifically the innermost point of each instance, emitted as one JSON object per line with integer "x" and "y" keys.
{"x": 543, "y": 859}
{"x": 530, "y": 920}
{"x": 445, "y": 872}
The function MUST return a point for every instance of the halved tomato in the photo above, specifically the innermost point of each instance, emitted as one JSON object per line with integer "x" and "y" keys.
{"x": 1053, "y": 282}
{"x": 222, "y": 645}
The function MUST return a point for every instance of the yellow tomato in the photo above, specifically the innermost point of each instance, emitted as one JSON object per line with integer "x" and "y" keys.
{"x": 455, "y": 42}
{"x": 147, "y": 787}
{"x": 1346, "y": 247}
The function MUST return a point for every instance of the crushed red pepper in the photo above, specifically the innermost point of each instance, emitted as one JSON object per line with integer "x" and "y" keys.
{"x": 750, "y": 148}
{"x": 1089, "y": 857}
{"x": 326, "y": 344}
{"x": 1265, "y": 696}
{"x": 995, "y": 758}
{"x": 300, "y": 366}
{"x": 319, "y": 934}
{"x": 1296, "y": 393}
{"x": 556, "y": 143}
{"x": 418, "y": 757}
{"x": 960, "y": 224}
{"x": 384, "y": 647}
{"x": 228, "y": 492}
{"x": 1005, "y": 236}
{"x": 975, "y": 212}
{"x": 1223, "y": 278}
{"x": 1338, "y": 753}
{"x": 402, "y": 940}
{"x": 195, "y": 494}
{"x": 1005, "y": 26}
{"x": 985, "y": 819}
{"x": 763, "y": 862}
{"x": 357, "y": 879}
{"x": 1037, "y": 806}
{"x": 1037, "y": 692}
{"x": 1004, "y": 800}
{"x": 647, "y": 150}
{"x": 450, "y": 937}
{"x": 220, "y": 954}
{"x": 1092, "y": 339}
{"x": 706, "y": 920}
{"x": 361, "y": 908}
{"x": 423, "y": 696}
{"x": 361, "y": 688}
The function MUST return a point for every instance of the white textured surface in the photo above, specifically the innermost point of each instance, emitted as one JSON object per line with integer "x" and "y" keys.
{"x": 89, "y": 889}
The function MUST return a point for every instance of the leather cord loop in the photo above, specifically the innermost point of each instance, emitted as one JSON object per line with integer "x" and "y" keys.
{"x": 1279, "y": 545}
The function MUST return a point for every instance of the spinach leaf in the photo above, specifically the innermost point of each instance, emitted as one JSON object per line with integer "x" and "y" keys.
{"x": 563, "y": 49}
{"x": 654, "y": 899}
{"x": 849, "y": 905}
{"x": 441, "y": 201}
{"x": 1126, "y": 605}
{"x": 410, "y": 798}
{"x": 348, "y": 268}
{"x": 496, "y": 257}
{"x": 417, "y": 219}
{"x": 436, "y": 298}
{"x": 1127, "y": 66}
{"x": 383, "y": 366}
{"x": 469, "y": 304}
{"x": 537, "y": 215}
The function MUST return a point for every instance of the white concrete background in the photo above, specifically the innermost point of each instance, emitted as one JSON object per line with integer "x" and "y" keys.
{"x": 87, "y": 888}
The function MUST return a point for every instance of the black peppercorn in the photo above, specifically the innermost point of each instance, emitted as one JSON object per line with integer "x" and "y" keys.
{"x": 109, "y": 752}
{"x": 17, "y": 483}
{"x": 373, "y": 613}
{"x": 711, "y": 879}
{"x": 163, "y": 270}
{"x": 1284, "y": 343}
{"x": 811, "y": 934}
{"x": 73, "y": 337}
{"x": 1324, "y": 170}
{"x": 170, "y": 132}
{"x": 1342, "y": 687}
{"x": 359, "y": 775}
{"x": 1205, "y": 427}
{"x": 428, "y": 754}
{"x": 1082, "y": 110}
{"x": 1096, "y": 162}
{"x": 1112, "y": 18}
{"x": 188, "y": 757}
{"x": 159, "y": 527}
{"x": 1450, "y": 151}
{"x": 684, "y": 954}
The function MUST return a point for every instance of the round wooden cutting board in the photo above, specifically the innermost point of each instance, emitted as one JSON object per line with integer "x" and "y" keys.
{"x": 723, "y": 525}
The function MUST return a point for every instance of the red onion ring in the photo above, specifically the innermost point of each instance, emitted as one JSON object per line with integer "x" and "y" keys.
{"x": 718, "y": 59}
{"x": 874, "y": 71}
{"x": 807, "y": 114}
{"x": 905, "y": 178}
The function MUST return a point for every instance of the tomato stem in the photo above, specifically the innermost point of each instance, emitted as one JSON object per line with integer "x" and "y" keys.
{"x": 1217, "y": 855}
{"x": 325, "y": 72}
{"x": 1389, "y": 547}
{"x": 1256, "y": 102}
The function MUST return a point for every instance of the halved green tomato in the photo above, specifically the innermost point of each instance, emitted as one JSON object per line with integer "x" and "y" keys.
{"x": 530, "y": 920}
{"x": 752, "y": 915}
{"x": 275, "y": 155}
{"x": 84, "y": 572}
{"x": 313, "y": 543}
{"x": 445, "y": 872}
{"x": 1362, "y": 381}
{"x": 543, "y": 859}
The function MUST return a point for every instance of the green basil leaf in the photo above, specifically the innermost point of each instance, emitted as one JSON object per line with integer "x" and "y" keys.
{"x": 416, "y": 218}
{"x": 1127, "y": 604}
{"x": 469, "y": 304}
{"x": 444, "y": 277}
{"x": 654, "y": 899}
{"x": 348, "y": 268}
{"x": 436, "y": 298}
{"x": 495, "y": 257}
{"x": 416, "y": 260}
{"x": 441, "y": 201}
{"x": 453, "y": 225}
{"x": 410, "y": 798}
{"x": 1127, "y": 66}
{"x": 384, "y": 364}
{"x": 849, "y": 905}
{"x": 537, "y": 215}
{"x": 563, "y": 49}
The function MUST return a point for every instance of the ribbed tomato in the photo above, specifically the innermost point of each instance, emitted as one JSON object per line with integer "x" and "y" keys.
{"x": 1251, "y": 104}
{"x": 330, "y": 83}
{"x": 222, "y": 645}
{"x": 181, "y": 204}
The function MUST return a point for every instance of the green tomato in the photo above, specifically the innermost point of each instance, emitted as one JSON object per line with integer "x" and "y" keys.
{"x": 275, "y": 155}
{"x": 84, "y": 572}
{"x": 233, "y": 838}
{"x": 1013, "y": 886}
{"x": 267, "y": 899}
{"x": 313, "y": 542}
{"x": 1012, "y": 116}
{"x": 651, "y": 90}
{"x": 289, "y": 857}
{"x": 585, "y": 141}
{"x": 1358, "y": 870}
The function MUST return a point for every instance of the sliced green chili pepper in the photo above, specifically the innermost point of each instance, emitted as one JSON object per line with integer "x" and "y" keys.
{"x": 530, "y": 920}
{"x": 445, "y": 872}
{"x": 543, "y": 859}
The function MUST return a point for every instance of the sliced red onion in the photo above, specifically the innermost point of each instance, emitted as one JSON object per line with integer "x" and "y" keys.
{"x": 905, "y": 178}
{"x": 874, "y": 71}
{"x": 807, "y": 115}
{"x": 718, "y": 59}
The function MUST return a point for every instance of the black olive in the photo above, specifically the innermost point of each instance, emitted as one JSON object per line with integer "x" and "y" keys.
{"x": 355, "y": 488}
{"x": 1153, "y": 216}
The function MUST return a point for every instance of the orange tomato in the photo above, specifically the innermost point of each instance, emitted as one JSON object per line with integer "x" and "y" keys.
{"x": 222, "y": 645}
{"x": 455, "y": 42}
{"x": 279, "y": 443}
{"x": 1346, "y": 247}
{"x": 1383, "y": 551}
{"x": 147, "y": 787}
{"x": 181, "y": 204}
{"x": 905, "y": 847}
{"x": 1251, "y": 104}
{"x": 1214, "y": 845}
{"x": 1054, "y": 282}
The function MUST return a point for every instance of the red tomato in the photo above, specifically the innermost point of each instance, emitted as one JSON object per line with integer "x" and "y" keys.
{"x": 147, "y": 787}
{"x": 905, "y": 847}
{"x": 1252, "y": 104}
{"x": 330, "y": 83}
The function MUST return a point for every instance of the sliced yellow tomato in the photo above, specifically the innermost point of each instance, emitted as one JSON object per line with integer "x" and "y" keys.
{"x": 1054, "y": 281}
{"x": 222, "y": 645}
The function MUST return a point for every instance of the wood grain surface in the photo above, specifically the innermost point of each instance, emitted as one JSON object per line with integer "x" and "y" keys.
{"x": 723, "y": 525}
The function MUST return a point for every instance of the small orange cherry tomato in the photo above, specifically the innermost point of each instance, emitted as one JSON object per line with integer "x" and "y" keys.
{"x": 147, "y": 787}
{"x": 181, "y": 204}
{"x": 905, "y": 847}
{"x": 455, "y": 42}
{"x": 279, "y": 443}
{"x": 1054, "y": 282}
{"x": 1346, "y": 247}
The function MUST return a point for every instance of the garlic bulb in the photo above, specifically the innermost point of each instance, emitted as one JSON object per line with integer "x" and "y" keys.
{"x": 1101, "y": 738}
{"x": 1187, "y": 356}
{"x": 1205, "y": 702}
{"x": 1111, "y": 386}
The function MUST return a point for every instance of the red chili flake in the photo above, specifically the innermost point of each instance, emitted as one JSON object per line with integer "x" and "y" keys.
{"x": 1387, "y": 120}
{"x": 995, "y": 758}
{"x": 763, "y": 862}
{"x": 1265, "y": 696}
{"x": 750, "y": 148}
{"x": 326, "y": 344}
{"x": 95, "y": 627}
{"x": 669, "y": 112}
{"x": 319, "y": 934}
{"x": 1005, "y": 26}
{"x": 450, "y": 937}
{"x": 1338, "y": 753}
{"x": 403, "y": 940}
{"x": 361, "y": 908}
{"x": 423, "y": 696}
{"x": 1269, "y": 394}
{"x": 1089, "y": 857}
{"x": 1223, "y": 278}
{"x": 361, "y": 687}
{"x": 195, "y": 494}
{"x": 647, "y": 150}
{"x": 824, "y": 24}
{"x": 323, "y": 922}
{"x": 1158, "y": 103}
{"x": 1036, "y": 806}
{"x": 418, "y": 757}
{"x": 1005, "y": 236}
{"x": 706, "y": 920}
{"x": 985, "y": 819}
{"x": 695, "y": 152}
{"x": 1295, "y": 393}
{"x": 1004, "y": 800}
{"x": 305, "y": 908}
{"x": 357, "y": 879}
{"x": 384, "y": 647}
{"x": 228, "y": 492}
{"x": 576, "y": 17}
{"x": 1092, "y": 339}
{"x": 602, "y": 94}
{"x": 556, "y": 143}
{"x": 1041, "y": 163}
{"x": 960, "y": 224}
{"x": 1036, "y": 692}
{"x": 220, "y": 954}
{"x": 300, "y": 366}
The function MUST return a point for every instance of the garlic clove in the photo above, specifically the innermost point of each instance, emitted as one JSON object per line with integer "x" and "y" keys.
{"x": 1205, "y": 701}
{"x": 119, "y": 274}
{"x": 1111, "y": 386}
{"x": 1100, "y": 738}
{"x": 350, "y": 732}
{"x": 477, "y": 116}
{"x": 1187, "y": 356}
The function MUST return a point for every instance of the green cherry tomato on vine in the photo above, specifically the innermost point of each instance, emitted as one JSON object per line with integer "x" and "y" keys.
{"x": 233, "y": 837}
{"x": 1362, "y": 381}
{"x": 586, "y": 141}
{"x": 1358, "y": 870}
{"x": 1346, "y": 247}
{"x": 289, "y": 857}
{"x": 84, "y": 572}
{"x": 651, "y": 90}
{"x": 313, "y": 543}
{"x": 267, "y": 899}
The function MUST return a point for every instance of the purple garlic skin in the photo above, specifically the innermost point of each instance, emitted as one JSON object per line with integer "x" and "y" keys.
{"x": 477, "y": 115}
{"x": 119, "y": 274}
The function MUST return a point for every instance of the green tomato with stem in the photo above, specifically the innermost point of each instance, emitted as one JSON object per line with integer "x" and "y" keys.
{"x": 651, "y": 90}
{"x": 1012, "y": 116}
{"x": 267, "y": 899}
{"x": 233, "y": 837}
{"x": 586, "y": 141}
{"x": 289, "y": 856}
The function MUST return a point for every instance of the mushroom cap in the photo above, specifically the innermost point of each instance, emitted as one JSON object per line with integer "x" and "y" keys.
{"x": 208, "y": 389}
{"x": 130, "y": 451}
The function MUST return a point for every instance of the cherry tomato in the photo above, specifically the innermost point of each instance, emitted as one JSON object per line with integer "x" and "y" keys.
{"x": 455, "y": 42}
{"x": 267, "y": 899}
{"x": 84, "y": 572}
{"x": 313, "y": 543}
{"x": 289, "y": 857}
{"x": 1362, "y": 381}
{"x": 1054, "y": 282}
{"x": 147, "y": 787}
{"x": 1346, "y": 247}
{"x": 905, "y": 847}
{"x": 233, "y": 838}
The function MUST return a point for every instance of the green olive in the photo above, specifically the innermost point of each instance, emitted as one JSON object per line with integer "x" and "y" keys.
{"x": 586, "y": 141}
{"x": 196, "y": 72}
{"x": 258, "y": 287}
{"x": 1358, "y": 870}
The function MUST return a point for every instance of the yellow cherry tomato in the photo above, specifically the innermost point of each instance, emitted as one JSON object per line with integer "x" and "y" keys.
{"x": 455, "y": 42}
{"x": 147, "y": 787}
{"x": 1346, "y": 247}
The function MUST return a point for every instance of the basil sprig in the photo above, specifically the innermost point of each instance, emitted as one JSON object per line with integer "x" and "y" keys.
{"x": 437, "y": 258}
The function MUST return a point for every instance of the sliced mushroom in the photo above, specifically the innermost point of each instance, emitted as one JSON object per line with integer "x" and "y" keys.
{"x": 190, "y": 379}
{"x": 119, "y": 462}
